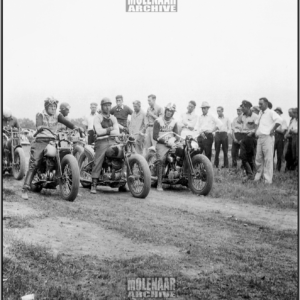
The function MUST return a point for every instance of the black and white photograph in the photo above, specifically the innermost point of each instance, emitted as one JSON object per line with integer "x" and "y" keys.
{"x": 150, "y": 149}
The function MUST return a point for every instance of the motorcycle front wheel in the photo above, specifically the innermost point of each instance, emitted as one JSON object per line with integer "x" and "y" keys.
{"x": 202, "y": 182}
{"x": 78, "y": 150}
{"x": 139, "y": 182}
{"x": 18, "y": 169}
{"x": 84, "y": 159}
{"x": 69, "y": 183}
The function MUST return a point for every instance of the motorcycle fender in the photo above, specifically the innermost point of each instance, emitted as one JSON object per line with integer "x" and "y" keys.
{"x": 18, "y": 146}
{"x": 90, "y": 150}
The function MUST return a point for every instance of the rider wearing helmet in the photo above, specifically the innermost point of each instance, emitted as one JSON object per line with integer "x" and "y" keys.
{"x": 8, "y": 119}
{"x": 105, "y": 124}
{"x": 47, "y": 119}
{"x": 163, "y": 130}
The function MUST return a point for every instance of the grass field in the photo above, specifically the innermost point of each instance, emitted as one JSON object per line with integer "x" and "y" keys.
{"x": 238, "y": 243}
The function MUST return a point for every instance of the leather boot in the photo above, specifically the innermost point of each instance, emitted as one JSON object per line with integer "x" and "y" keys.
{"x": 249, "y": 171}
{"x": 27, "y": 183}
{"x": 159, "y": 177}
{"x": 94, "y": 185}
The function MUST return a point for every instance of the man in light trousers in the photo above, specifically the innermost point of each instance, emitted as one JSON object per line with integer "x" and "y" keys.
{"x": 267, "y": 122}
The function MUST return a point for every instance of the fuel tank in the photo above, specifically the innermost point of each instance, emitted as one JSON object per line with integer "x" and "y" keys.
{"x": 115, "y": 151}
{"x": 50, "y": 150}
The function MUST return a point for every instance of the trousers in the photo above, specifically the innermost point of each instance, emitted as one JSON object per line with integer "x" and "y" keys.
{"x": 91, "y": 137}
{"x": 206, "y": 144}
{"x": 161, "y": 152}
{"x": 278, "y": 148}
{"x": 221, "y": 139}
{"x": 235, "y": 149}
{"x": 264, "y": 158}
{"x": 149, "y": 141}
{"x": 247, "y": 151}
{"x": 100, "y": 148}
{"x": 139, "y": 143}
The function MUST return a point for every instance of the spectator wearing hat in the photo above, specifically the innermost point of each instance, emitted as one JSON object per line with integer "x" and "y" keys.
{"x": 221, "y": 137}
{"x": 267, "y": 123}
{"x": 293, "y": 131}
{"x": 153, "y": 112}
{"x": 121, "y": 112}
{"x": 188, "y": 120}
{"x": 137, "y": 126}
{"x": 236, "y": 137}
{"x": 207, "y": 124}
{"x": 279, "y": 139}
{"x": 288, "y": 147}
{"x": 89, "y": 122}
{"x": 248, "y": 142}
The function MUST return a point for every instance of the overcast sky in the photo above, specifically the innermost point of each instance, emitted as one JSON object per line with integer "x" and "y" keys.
{"x": 220, "y": 51}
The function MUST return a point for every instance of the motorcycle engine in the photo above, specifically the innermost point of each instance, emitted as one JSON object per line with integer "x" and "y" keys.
{"x": 174, "y": 174}
{"x": 113, "y": 171}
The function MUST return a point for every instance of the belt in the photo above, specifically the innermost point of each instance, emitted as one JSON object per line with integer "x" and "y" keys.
{"x": 221, "y": 132}
{"x": 280, "y": 133}
{"x": 105, "y": 138}
{"x": 150, "y": 125}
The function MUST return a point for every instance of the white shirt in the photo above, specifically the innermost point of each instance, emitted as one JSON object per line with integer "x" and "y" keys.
{"x": 225, "y": 125}
{"x": 294, "y": 126}
{"x": 89, "y": 120}
{"x": 207, "y": 123}
{"x": 189, "y": 119}
{"x": 266, "y": 121}
{"x": 282, "y": 127}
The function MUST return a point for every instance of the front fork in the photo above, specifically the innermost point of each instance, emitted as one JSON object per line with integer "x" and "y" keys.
{"x": 58, "y": 166}
{"x": 189, "y": 159}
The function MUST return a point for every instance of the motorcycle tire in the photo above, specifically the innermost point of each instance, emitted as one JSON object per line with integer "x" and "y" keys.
{"x": 19, "y": 172}
{"x": 209, "y": 174}
{"x": 82, "y": 158}
{"x": 139, "y": 192}
{"x": 71, "y": 177}
{"x": 151, "y": 158}
{"x": 78, "y": 150}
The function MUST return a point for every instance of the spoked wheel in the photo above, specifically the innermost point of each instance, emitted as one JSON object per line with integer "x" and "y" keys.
{"x": 151, "y": 159}
{"x": 139, "y": 182}
{"x": 69, "y": 183}
{"x": 85, "y": 164}
{"x": 202, "y": 182}
{"x": 18, "y": 169}
{"x": 34, "y": 186}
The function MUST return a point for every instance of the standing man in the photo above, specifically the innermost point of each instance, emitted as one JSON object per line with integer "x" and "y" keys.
{"x": 137, "y": 126}
{"x": 255, "y": 109}
{"x": 248, "y": 141}
{"x": 89, "y": 122}
{"x": 121, "y": 112}
{"x": 188, "y": 120}
{"x": 289, "y": 152}
{"x": 236, "y": 137}
{"x": 162, "y": 131}
{"x": 105, "y": 125}
{"x": 153, "y": 112}
{"x": 279, "y": 139}
{"x": 267, "y": 124}
{"x": 293, "y": 131}
{"x": 221, "y": 137}
{"x": 207, "y": 124}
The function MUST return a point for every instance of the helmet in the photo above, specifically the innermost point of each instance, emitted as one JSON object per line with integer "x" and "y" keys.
{"x": 50, "y": 101}
{"x": 171, "y": 107}
{"x": 6, "y": 112}
{"x": 64, "y": 106}
{"x": 105, "y": 101}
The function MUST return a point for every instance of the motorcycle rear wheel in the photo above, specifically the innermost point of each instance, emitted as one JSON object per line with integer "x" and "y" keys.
{"x": 203, "y": 167}
{"x": 69, "y": 183}
{"x": 83, "y": 160}
{"x": 18, "y": 170}
{"x": 140, "y": 186}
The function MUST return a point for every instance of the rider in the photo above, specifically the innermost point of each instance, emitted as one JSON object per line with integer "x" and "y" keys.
{"x": 8, "y": 119}
{"x": 47, "y": 119}
{"x": 106, "y": 125}
{"x": 161, "y": 127}
{"x": 64, "y": 109}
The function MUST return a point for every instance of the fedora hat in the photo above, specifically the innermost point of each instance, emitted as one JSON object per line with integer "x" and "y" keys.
{"x": 279, "y": 109}
{"x": 204, "y": 104}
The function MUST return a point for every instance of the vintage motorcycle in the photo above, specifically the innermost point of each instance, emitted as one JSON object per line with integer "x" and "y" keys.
{"x": 13, "y": 156}
{"x": 58, "y": 167}
{"x": 199, "y": 176}
{"x": 121, "y": 165}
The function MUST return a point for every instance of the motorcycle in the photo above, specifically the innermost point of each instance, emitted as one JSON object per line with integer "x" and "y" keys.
{"x": 121, "y": 165}
{"x": 200, "y": 176}
{"x": 58, "y": 167}
{"x": 13, "y": 157}
{"x": 78, "y": 141}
